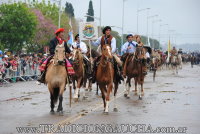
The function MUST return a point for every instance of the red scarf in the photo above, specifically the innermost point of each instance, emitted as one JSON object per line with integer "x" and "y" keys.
{"x": 60, "y": 40}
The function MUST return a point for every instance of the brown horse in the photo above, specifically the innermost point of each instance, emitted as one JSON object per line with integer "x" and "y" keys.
{"x": 105, "y": 77}
{"x": 78, "y": 66}
{"x": 56, "y": 77}
{"x": 134, "y": 67}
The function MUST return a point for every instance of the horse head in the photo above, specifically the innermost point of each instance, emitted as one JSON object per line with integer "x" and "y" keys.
{"x": 77, "y": 55}
{"x": 140, "y": 53}
{"x": 59, "y": 56}
{"x": 106, "y": 51}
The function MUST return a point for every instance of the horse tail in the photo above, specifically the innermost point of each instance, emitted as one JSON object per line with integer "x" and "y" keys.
{"x": 55, "y": 94}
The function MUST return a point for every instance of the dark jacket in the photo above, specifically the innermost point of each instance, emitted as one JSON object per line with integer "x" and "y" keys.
{"x": 53, "y": 44}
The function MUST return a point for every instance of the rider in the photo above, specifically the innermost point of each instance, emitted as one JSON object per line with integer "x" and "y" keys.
{"x": 130, "y": 45}
{"x": 107, "y": 38}
{"x": 53, "y": 43}
{"x": 174, "y": 51}
{"x": 83, "y": 48}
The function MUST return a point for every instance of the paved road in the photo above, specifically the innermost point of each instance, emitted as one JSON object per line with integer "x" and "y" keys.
{"x": 171, "y": 103}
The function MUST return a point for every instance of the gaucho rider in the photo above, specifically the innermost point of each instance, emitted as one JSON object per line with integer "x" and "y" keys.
{"x": 53, "y": 43}
{"x": 83, "y": 48}
{"x": 128, "y": 48}
{"x": 107, "y": 38}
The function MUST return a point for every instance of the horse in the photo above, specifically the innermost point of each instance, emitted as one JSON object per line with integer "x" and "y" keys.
{"x": 174, "y": 63}
{"x": 56, "y": 78}
{"x": 180, "y": 61}
{"x": 94, "y": 54}
{"x": 134, "y": 67}
{"x": 154, "y": 66}
{"x": 78, "y": 66}
{"x": 105, "y": 77}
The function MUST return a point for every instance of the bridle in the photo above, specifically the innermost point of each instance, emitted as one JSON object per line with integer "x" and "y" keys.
{"x": 55, "y": 58}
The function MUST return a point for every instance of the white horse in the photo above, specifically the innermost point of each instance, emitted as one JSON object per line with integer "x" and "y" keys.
{"x": 174, "y": 64}
{"x": 180, "y": 61}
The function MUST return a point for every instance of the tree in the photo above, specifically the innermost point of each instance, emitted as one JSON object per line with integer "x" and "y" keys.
{"x": 90, "y": 12}
{"x": 44, "y": 32}
{"x": 17, "y": 25}
{"x": 69, "y": 9}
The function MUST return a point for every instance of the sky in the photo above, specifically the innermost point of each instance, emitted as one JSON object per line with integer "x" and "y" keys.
{"x": 182, "y": 17}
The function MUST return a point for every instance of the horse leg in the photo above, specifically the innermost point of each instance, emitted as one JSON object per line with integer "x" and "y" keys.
{"x": 135, "y": 85}
{"x": 76, "y": 92}
{"x": 126, "y": 88}
{"x": 115, "y": 95}
{"x": 97, "y": 89}
{"x": 60, "y": 108}
{"x": 52, "y": 103}
{"x": 110, "y": 86}
{"x": 103, "y": 95}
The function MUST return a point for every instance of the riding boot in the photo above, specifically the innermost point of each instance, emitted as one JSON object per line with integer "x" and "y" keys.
{"x": 41, "y": 78}
{"x": 95, "y": 69}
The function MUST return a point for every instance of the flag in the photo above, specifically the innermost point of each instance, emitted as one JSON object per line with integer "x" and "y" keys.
{"x": 148, "y": 42}
{"x": 70, "y": 34}
{"x": 169, "y": 47}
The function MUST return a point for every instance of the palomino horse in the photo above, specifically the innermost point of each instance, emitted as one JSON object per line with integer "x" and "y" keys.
{"x": 78, "y": 66}
{"x": 56, "y": 77}
{"x": 134, "y": 69}
{"x": 174, "y": 63}
{"x": 105, "y": 77}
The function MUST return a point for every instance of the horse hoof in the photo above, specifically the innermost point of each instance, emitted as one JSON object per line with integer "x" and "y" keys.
{"x": 61, "y": 113}
{"x": 115, "y": 109}
{"x": 86, "y": 90}
{"x": 52, "y": 112}
{"x": 140, "y": 97}
{"x": 85, "y": 97}
{"x": 125, "y": 95}
{"x": 75, "y": 99}
{"x": 105, "y": 113}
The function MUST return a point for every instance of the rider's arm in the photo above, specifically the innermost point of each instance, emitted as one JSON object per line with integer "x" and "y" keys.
{"x": 97, "y": 42}
{"x": 52, "y": 47}
{"x": 124, "y": 48}
{"x": 113, "y": 45}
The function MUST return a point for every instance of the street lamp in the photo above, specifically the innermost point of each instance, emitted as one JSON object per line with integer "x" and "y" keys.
{"x": 149, "y": 17}
{"x": 59, "y": 12}
{"x": 140, "y": 10}
{"x": 153, "y": 28}
{"x": 160, "y": 29}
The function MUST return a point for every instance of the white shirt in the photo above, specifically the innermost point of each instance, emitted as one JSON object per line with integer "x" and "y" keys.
{"x": 113, "y": 43}
{"x": 81, "y": 45}
{"x": 125, "y": 47}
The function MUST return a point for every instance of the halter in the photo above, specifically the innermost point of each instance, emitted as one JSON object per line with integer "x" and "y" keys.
{"x": 56, "y": 56}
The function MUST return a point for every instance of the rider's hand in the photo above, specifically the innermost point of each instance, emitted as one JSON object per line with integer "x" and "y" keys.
{"x": 129, "y": 47}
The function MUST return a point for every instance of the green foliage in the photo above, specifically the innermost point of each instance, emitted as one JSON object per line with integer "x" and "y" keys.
{"x": 17, "y": 25}
{"x": 90, "y": 12}
{"x": 69, "y": 9}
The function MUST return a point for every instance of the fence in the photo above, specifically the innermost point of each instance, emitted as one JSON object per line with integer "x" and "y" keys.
{"x": 21, "y": 73}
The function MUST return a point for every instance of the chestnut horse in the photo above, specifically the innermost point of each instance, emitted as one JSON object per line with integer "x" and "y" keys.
{"x": 56, "y": 77}
{"x": 134, "y": 69}
{"x": 78, "y": 77}
{"x": 105, "y": 77}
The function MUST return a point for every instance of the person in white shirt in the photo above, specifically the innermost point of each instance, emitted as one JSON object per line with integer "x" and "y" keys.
{"x": 130, "y": 45}
{"x": 83, "y": 48}
{"x": 107, "y": 38}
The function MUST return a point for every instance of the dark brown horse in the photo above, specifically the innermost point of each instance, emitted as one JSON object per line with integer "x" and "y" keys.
{"x": 56, "y": 78}
{"x": 105, "y": 77}
{"x": 134, "y": 66}
{"x": 78, "y": 66}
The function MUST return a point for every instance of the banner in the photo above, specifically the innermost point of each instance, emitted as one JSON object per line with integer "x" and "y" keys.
{"x": 88, "y": 31}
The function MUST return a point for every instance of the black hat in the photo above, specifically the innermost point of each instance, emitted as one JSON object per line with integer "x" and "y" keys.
{"x": 76, "y": 36}
{"x": 106, "y": 28}
{"x": 128, "y": 36}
